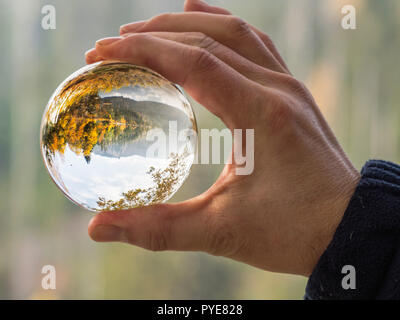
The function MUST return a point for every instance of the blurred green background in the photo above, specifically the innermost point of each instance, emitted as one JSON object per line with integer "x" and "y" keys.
{"x": 353, "y": 74}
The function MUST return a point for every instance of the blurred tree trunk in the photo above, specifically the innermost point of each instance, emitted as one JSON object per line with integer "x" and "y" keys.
{"x": 24, "y": 141}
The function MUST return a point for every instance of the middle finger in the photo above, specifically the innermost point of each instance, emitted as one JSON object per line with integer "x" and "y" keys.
{"x": 227, "y": 30}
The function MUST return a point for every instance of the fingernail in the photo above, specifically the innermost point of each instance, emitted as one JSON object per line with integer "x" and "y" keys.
{"x": 91, "y": 56}
{"x": 131, "y": 26}
{"x": 91, "y": 53}
{"x": 107, "y": 41}
{"x": 107, "y": 233}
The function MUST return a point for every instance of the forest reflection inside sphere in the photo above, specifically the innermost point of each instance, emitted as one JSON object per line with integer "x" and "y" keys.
{"x": 95, "y": 137}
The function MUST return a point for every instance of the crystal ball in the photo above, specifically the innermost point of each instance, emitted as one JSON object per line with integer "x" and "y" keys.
{"x": 117, "y": 136}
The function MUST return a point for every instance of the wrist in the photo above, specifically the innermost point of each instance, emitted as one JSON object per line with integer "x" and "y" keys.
{"x": 329, "y": 215}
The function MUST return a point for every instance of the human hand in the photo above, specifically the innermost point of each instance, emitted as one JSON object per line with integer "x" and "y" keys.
{"x": 282, "y": 216}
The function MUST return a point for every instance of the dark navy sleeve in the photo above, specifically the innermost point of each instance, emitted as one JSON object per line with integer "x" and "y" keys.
{"x": 368, "y": 239}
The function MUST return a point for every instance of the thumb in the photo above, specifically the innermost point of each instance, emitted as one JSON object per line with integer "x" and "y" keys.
{"x": 180, "y": 226}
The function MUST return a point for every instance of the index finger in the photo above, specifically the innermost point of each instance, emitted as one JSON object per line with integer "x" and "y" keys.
{"x": 207, "y": 79}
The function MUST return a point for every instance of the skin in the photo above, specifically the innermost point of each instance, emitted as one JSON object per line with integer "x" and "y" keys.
{"x": 280, "y": 218}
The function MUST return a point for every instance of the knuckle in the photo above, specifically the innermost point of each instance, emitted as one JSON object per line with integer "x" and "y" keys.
{"x": 203, "y": 60}
{"x": 155, "y": 241}
{"x": 267, "y": 40}
{"x": 295, "y": 87}
{"x": 238, "y": 26}
{"x": 158, "y": 237}
{"x": 221, "y": 239}
{"x": 278, "y": 115}
{"x": 161, "y": 18}
{"x": 292, "y": 83}
{"x": 205, "y": 42}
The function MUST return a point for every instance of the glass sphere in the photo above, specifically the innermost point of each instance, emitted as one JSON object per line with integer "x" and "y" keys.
{"x": 118, "y": 136}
